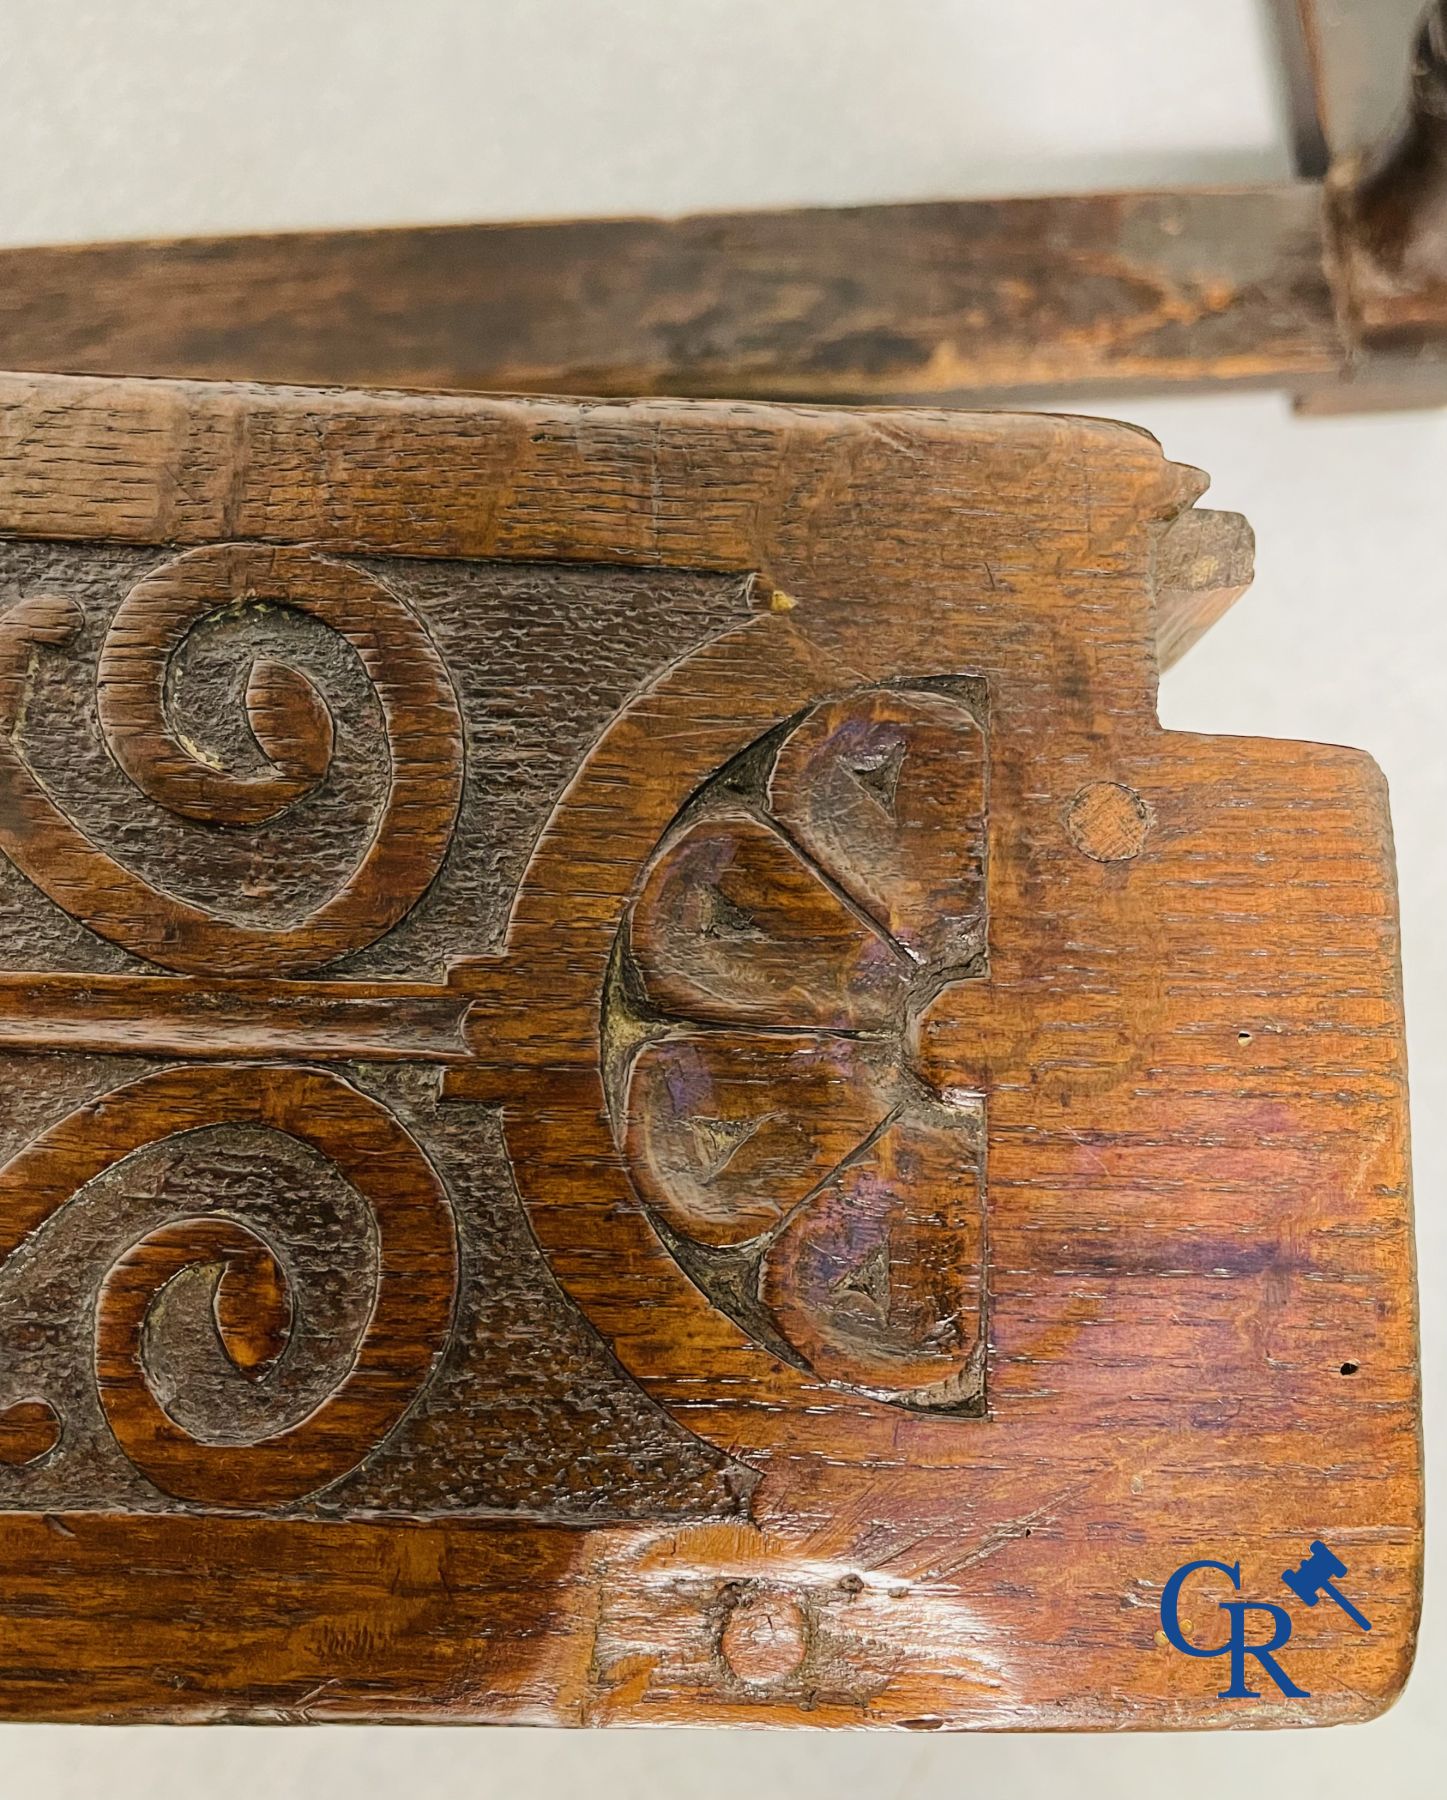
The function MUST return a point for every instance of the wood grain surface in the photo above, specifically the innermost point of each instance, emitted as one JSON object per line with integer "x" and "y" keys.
{"x": 639, "y": 1088}
{"x": 975, "y": 298}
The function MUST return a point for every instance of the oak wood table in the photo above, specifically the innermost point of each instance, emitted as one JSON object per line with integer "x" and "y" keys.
{"x": 638, "y": 1087}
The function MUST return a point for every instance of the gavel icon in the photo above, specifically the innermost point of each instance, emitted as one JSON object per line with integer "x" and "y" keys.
{"x": 1317, "y": 1576}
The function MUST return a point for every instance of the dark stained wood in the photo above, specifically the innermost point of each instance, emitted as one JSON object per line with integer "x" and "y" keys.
{"x": 413, "y": 1277}
{"x": 1331, "y": 286}
{"x": 1394, "y": 212}
{"x": 1360, "y": 56}
{"x": 524, "y": 1415}
{"x": 863, "y": 1154}
{"x": 975, "y": 298}
{"x": 1380, "y": 76}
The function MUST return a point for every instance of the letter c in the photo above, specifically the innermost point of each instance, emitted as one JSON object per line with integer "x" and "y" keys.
{"x": 1171, "y": 1599}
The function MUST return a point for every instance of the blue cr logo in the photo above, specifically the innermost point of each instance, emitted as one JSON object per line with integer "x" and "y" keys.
{"x": 1236, "y": 1645}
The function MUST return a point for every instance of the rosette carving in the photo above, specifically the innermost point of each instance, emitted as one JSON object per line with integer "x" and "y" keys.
{"x": 806, "y": 905}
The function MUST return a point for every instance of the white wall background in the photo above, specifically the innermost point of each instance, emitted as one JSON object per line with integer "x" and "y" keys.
{"x": 135, "y": 117}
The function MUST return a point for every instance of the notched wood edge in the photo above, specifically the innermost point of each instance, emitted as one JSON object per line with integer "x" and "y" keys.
{"x": 1204, "y": 563}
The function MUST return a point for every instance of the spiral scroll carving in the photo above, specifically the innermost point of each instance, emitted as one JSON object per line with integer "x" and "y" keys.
{"x": 404, "y": 1329}
{"x": 293, "y": 729}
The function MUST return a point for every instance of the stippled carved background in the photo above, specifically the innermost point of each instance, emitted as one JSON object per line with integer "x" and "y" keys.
{"x": 265, "y": 726}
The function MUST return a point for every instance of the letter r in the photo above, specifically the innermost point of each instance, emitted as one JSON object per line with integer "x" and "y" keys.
{"x": 1240, "y": 1650}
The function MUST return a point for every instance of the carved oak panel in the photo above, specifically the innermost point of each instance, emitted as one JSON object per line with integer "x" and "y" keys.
{"x": 223, "y": 770}
{"x": 635, "y": 1084}
{"x": 809, "y": 900}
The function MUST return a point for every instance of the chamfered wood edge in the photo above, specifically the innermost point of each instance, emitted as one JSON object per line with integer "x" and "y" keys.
{"x": 1205, "y": 561}
{"x": 143, "y": 427}
{"x": 1369, "y": 775}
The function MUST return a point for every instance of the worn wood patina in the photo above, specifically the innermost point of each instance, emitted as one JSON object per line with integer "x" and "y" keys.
{"x": 637, "y": 1086}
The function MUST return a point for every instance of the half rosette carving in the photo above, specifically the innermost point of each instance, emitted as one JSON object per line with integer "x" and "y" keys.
{"x": 806, "y": 903}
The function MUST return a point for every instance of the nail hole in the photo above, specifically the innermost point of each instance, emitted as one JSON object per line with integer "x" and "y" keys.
{"x": 1243, "y": 1037}
{"x": 1350, "y": 1368}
